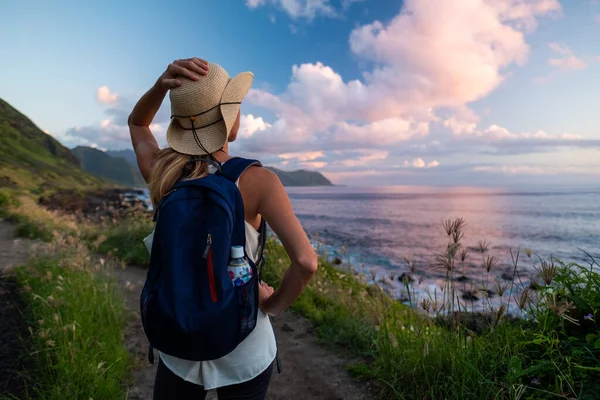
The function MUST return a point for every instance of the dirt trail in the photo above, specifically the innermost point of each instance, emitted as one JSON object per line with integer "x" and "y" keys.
{"x": 309, "y": 371}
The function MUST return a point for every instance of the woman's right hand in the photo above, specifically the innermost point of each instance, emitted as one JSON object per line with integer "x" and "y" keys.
{"x": 191, "y": 68}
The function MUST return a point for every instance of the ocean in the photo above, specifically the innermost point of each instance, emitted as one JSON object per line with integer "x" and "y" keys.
{"x": 376, "y": 228}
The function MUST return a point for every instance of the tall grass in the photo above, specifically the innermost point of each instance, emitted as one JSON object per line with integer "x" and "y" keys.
{"x": 31, "y": 220}
{"x": 437, "y": 349}
{"x": 124, "y": 240}
{"x": 76, "y": 326}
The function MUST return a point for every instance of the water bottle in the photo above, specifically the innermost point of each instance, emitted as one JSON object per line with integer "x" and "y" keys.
{"x": 238, "y": 269}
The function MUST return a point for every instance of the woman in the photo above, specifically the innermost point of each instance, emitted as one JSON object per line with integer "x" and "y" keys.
{"x": 194, "y": 85}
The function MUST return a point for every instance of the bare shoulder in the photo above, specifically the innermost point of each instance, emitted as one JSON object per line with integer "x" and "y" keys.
{"x": 259, "y": 177}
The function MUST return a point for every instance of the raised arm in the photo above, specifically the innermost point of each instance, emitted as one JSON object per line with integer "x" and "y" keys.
{"x": 142, "y": 139}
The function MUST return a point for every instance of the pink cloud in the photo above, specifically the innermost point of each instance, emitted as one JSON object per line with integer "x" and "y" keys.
{"x": 567, "y": 60}
{"x": 421, "y": 65}
{"x": 302, "y": 156}
{"x": 105, "y": 96}
{"x": 367, "y": 157}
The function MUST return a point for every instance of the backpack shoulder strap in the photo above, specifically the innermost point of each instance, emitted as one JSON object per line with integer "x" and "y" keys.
{"x": 233, "y": 168}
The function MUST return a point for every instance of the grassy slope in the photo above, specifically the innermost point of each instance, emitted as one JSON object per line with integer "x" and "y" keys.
{"x": 34, "y": 161}
{"x": 77, "y": 324}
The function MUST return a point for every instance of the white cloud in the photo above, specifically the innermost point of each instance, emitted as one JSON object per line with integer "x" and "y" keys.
{"x": 249, "y": 124}
{"x": 566, "y": 60}
{"x": 104, "y": 96}
{"x": 420, "y": 163}
{"x": 293, "y": 29}
{"x": 297, "y": 8}
{"x": 255, "y": 3}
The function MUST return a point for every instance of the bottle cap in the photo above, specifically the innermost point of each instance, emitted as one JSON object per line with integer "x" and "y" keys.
{"x": 237, "y": 252}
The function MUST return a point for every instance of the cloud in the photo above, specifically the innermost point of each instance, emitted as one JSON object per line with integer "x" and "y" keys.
{"x": 511, "y": 169}
{"x": 365, "y": 158}
{"x": 417, "y": 67}
{"x": 297, "y": 8}
{"x": 420, "y": 163}
{"x": 460, "y": 126}
{"x": 250, "y": 124}
{"x": 567, "y": 60}
{"x": 104, "y": 96}
{"x": 597, "y": 18}
{"x": 306, "y": 156}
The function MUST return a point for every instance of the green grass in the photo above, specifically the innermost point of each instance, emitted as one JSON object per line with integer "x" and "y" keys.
{"x": 124, "y": 240}
{"x": 414, "y": 356}
{"x": 76, "y": 327}
{"x": 32, "y": 221}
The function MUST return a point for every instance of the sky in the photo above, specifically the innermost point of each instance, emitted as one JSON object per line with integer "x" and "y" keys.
{"x": 368, "y": 92}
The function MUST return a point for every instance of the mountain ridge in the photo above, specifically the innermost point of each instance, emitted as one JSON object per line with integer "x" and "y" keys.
{"x": 300, "y": 177}
{"x": 116, "y": 169}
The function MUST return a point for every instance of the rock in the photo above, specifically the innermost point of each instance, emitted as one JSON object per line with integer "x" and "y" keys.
{"x": 110, "y": 203}
{"x": 506, "y": 276}
{"x": 470, "y": 296}
{"x": 405, "y": 278}
{"x": 337, "y": 261}
{"x": 462, "y": 279}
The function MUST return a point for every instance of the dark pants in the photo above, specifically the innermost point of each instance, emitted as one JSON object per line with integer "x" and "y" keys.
{"x": 168, "y": 386}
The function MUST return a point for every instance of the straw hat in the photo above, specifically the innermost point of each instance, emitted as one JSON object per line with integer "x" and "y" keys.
{"x": 204, "y": 111}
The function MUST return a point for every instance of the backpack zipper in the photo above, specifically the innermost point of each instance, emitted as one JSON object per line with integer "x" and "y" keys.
{"x": 209, "y": 266}
{"x": 208, "y": 244}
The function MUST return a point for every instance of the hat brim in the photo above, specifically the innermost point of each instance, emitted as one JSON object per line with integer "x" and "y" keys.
{"x": 213, "y": 137}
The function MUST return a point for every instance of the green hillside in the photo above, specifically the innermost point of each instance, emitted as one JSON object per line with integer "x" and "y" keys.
{"x": 33, "y": 160}
{"x": 128, "y": 155}
{"x": 101, "y": 164}
{"x": 301, "y": 178}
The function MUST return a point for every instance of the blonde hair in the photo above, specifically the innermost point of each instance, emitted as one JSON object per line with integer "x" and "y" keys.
{"x": 169, "y": 167}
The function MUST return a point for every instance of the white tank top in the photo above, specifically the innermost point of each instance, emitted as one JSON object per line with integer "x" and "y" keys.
{"x": 248, "y": 360}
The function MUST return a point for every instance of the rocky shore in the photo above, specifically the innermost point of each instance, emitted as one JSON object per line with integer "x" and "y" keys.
{"x": 110, "y": 203}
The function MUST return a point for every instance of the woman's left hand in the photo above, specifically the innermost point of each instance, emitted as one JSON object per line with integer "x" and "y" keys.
{"x": 264, "y": 292}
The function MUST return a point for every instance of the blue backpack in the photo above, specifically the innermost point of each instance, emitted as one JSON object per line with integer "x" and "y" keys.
{"x": 189, "y": 306}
